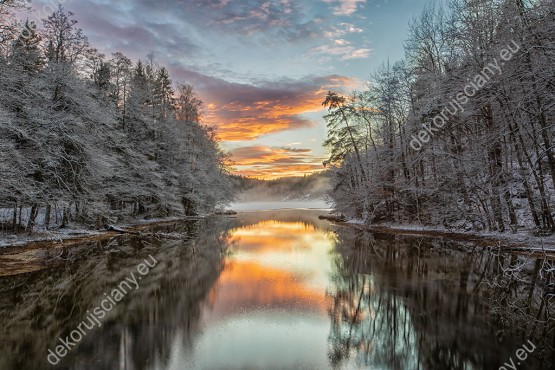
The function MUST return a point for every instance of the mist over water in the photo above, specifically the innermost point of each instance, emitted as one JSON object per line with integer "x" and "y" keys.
{"x": 275, "y": 205}
{"x": 307, "y": 188}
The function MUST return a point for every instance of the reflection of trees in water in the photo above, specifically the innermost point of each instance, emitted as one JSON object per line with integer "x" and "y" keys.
{"x": 360, "y": 329}
{"x": 38, "y": 308}
{"x": 522, "y": 293}
{"x": 414, "y": 303}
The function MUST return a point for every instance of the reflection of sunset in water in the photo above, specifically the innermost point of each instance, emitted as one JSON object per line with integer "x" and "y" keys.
{"x": 274, "y": 265}
{"x": 251, "y": 286}
{"x": 275, "y": 236}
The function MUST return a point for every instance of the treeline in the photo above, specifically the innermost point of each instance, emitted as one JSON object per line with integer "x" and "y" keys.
{"x": 307, "y": 187}
{"x": 92, "y": 137}
{"x": 459, "y": 133}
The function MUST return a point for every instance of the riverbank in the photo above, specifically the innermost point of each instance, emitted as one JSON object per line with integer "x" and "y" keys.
{"x": 523, "y": 240}
{"x": 75, "y": 235}
{"x": 68, "y": 236}
{"x": 15, "y": 250}
{"x": 23, "y": 255}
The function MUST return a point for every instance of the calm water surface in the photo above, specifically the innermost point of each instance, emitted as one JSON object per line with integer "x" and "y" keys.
{"x": 266, "y": 290}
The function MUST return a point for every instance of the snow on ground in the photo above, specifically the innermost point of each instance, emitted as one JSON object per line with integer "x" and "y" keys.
{"x": 524, "y": 236}
{"x": 355, "y": 221}
{"x": 19, "y": 240}
{"x": 6, "y": 216}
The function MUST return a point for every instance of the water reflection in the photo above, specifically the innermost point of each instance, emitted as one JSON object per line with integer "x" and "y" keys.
{"x": 415, "y": 303}
{"x": 38, "y": 308}
{"x": 270, "y": 308}
{"x": 283, "y": 290}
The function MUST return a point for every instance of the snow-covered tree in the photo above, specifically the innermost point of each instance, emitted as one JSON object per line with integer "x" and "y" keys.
{"x": 489, "y": 162}
{"x": 84, "y": 138}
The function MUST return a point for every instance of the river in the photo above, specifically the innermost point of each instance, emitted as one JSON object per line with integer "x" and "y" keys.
{"x": 276, "y": 289}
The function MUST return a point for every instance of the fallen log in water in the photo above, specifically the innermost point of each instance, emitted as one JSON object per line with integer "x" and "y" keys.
{"x": 118, "y": 230}
{"x": 337, "y": 217}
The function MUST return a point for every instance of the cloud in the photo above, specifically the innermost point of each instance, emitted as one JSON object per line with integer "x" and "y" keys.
{"x": 171, "y": 27}
{"x": 275, "y": 172}
{"x": 214, "y": 4}
{"x": 285, "y": 18}
{"x": 345, "y": 7}
{"x": 272, "y": 162}
{"x": 245, "y": 112}
{"x": 205, "y": 43}
{"x": 264, "y": 155}
{"x": 342, "y": 49}
{"x": 341, "y": 30}
{"x": 132, "y": 27}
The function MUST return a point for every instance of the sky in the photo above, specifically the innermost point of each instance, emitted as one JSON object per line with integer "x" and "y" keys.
{"x": 262, "y": 67}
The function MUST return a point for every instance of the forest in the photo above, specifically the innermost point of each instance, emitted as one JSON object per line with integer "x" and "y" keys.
{"x": 87, "y": 137}
{"x": 458, "y": 134}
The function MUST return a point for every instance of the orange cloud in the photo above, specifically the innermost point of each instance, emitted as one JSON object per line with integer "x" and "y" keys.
{"x": 273, "y": 162}
{"x": 240, "y": 121}
{"x": 276, "y": 172}
{"x": 246, "y": 112}
{"x": 262, "y": 155}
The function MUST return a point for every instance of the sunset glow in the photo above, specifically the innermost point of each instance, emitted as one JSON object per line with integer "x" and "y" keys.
{"x": 269, "y": 163}
{"x": 262, "y": 68}
{"x": 256, "y": 275}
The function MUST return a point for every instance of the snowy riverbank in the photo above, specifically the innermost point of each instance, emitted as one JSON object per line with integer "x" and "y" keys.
{"x": 524, "y": 239}
{"x": 79, "y": 234}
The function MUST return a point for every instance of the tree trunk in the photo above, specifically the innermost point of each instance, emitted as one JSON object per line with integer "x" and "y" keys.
{"x": 65, "y": 217}
{"x": 495, "y": 166}
{"x": 32, "y": 217}
{"x": 20, "y": 217}
{"x": 513, "y": 128}
{"x": 47, "y": 216}
{"x": 14, "y": 220}
{"x": 542, "y": 119}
